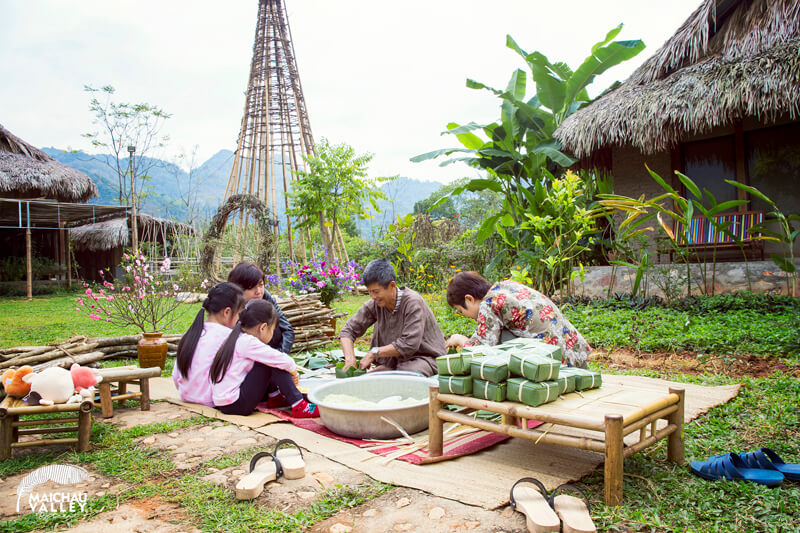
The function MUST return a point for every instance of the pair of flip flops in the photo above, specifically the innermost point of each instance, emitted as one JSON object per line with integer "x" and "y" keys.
{"x": 762, "y": 466}
{"x": 546, "y": 513}
{"x": 285, "y": 462}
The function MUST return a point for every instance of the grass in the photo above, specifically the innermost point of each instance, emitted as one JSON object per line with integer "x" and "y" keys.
{"x": 53, "y": 318}
{"x": 659, "y": 496}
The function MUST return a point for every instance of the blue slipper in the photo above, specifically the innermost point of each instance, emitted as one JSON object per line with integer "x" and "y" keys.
{"x": 731, "y": 466}
{"x": 769, "y": 460}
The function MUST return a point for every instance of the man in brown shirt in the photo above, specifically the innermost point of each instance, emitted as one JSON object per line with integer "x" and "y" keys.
{"x": 406, "y": 335}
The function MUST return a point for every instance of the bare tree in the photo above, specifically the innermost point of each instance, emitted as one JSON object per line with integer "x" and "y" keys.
{"x": 122, "y": 125}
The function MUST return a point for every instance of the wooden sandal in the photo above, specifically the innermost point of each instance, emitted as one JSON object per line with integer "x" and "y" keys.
{"x": 534, "y": 504}
{"x": 291, "y": 459}
{"x": 575, "y": 514}
{"x": 251, "y": 485}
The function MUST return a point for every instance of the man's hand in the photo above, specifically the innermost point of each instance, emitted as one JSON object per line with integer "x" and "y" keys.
{"x": 456, "y": 340}
{"x": 349, "y": 352}
{"x": 296, "y": 378}
{"x": 367, "y": 360}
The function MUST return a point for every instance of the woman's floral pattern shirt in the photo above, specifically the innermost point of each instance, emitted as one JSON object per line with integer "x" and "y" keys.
{"x": 527, "y": 313}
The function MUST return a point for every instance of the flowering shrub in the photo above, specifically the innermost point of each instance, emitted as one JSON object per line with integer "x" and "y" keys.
{"x": 141, "y": 298}
{"x": 325, "y": 277}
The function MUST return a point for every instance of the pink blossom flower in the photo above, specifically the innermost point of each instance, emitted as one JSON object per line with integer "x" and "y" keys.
{"x": 80, "y": 301}
{"x": 78, "y": 309}
{"x": 109, "y": 298}
{"x": 125, "y": 256}
{"x": 321, "y": 284}
{"x": 94, "y": 316}
{"x": 88, "y": 292}
{"x": 108, "y": 320}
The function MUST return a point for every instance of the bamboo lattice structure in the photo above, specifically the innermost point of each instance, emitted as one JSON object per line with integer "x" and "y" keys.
{"x": 275, "y": 131}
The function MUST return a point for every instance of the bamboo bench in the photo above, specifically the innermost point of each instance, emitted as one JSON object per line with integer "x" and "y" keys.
{"x": 606, "y": 420}
{"x": 703, "y": 236}
{"x": 122, "y": 376}
{"x": 11, "y": 427}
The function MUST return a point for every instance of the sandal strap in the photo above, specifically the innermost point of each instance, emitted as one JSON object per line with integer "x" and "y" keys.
{"x": 538, "y": 484}
{"x": 261, "y": 455}
{"x": 756, "y": 459}
{"x": 570, "y": 486}
{"x": 284, "y": 442}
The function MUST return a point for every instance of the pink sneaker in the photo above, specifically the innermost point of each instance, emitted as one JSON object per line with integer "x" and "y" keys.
{"x": 303, "y": 409}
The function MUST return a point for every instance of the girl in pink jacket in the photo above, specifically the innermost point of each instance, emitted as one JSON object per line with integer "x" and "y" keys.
{"x": 245, "y": 367}
{"x": 200, "y": 343}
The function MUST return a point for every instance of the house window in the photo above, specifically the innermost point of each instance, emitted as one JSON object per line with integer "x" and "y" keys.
{"x": 709, "y": 163}
{"x": 773, "y": 166}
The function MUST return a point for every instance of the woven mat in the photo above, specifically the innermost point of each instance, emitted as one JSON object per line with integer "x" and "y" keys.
{"x": 484, "y": 478}
{"x": 454, "y": 447}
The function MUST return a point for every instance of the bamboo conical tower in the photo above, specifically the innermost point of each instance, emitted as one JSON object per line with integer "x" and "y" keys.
{"x": 275, "y": 131}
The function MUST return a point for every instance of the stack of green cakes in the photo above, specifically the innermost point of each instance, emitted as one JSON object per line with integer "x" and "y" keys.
{"x": 520, "y": 370}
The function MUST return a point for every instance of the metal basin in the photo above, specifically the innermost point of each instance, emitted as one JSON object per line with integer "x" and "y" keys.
{"x": 366, "y": 423}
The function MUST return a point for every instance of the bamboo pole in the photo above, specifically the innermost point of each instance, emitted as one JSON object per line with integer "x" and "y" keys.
{"x": 28, "y": 260}
{"x": 615, "y": 460}
{"x": 675, "y": 445}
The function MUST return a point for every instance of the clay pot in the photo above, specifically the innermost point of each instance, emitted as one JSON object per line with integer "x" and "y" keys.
{"x": 152, "y": 350}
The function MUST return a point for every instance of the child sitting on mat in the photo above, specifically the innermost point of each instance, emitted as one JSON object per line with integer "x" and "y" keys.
{"x": 245, "y": 367}
{"x": 202, "y": 340}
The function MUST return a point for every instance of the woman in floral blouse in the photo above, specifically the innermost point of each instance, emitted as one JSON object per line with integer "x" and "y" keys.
{"x": 509, "y": 309}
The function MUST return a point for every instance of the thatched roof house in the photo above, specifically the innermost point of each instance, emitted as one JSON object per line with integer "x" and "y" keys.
{"x": 719, "y": 100}
{"x": 27, "y": 172}
{"x": 115, "y": 233}
{"x": 730, "y": 60}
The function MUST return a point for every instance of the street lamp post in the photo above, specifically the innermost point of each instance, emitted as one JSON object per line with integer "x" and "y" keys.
{"x": 131, "y": 152}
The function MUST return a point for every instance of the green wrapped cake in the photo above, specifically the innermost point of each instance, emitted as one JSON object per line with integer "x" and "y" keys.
{"x": 530, "y": 392}
{"x": 536, "y": 346}
{"x": 486, "y": 390}
{"x": 455, "y": 384}
{"x": 492, "y": 368}
{"x": 533, "y": 366}
{"x": 584, "y": 379}
{"x": 454, "y": 364}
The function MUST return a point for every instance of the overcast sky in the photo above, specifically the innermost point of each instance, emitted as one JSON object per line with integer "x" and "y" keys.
{"x": 385, "y": 77}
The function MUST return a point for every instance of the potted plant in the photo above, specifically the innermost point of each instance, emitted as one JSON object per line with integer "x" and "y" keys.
{"x": 141, "y": 298}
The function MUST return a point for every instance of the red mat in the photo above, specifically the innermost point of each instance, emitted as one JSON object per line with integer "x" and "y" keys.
{"x": 463, "y": 445}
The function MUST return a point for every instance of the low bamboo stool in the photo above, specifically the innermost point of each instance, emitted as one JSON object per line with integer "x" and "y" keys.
{"x": 10, "y": 425}
{"x": 122, "y": 376}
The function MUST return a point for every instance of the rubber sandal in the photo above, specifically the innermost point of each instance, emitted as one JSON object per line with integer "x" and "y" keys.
{"x": 730, "y": 466}
{"x": 575, "y": 513}
{"x": 291, "y": 459}
{"x": 769, "y": 460}
{"x": 251, "y": 485}
{"x": 534, "y": 504}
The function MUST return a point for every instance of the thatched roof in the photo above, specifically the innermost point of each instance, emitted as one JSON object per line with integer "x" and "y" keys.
{"x": 731, "y": 59}
{"x": 27, "y": 172}
{"x": 114, "y": 232}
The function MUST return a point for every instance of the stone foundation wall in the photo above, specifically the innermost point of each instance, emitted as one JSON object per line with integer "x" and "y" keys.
{"x": 764, "y": 276}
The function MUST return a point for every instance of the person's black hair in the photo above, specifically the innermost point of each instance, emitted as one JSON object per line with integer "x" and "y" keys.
{"x": 378, "y": 271}
{"x": 246, "y": 275}
{"x": 220, "y": 296}
{"x": 465, "y": 283}
{"x": 256, "y": 312}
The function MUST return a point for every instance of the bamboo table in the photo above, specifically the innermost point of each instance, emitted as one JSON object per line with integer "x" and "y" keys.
{"x": 11, "y": 427}
{"x": 122, "y": 376}
{"x": 602, "y": 418}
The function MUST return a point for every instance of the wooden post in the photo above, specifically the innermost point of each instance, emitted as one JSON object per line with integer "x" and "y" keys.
{"x": 28, "y": 260}
{"x": 84, "y": 425}
{"x": 614, "y": 460}
{"x": 435, "y": 424}
{"x": 122, "y": 389}
{"x": 106, "y": 407}
{"x": 144, "y": 388}
{"x": 6, "y": 431}
{"x": 69, "y": 261}
{"x": 675, "y": 446}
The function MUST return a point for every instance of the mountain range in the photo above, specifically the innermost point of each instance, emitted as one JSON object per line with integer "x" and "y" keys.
{"x": 168, "y": 182}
